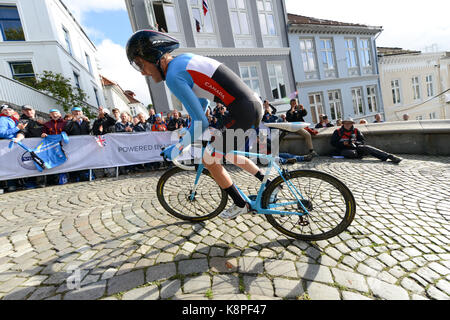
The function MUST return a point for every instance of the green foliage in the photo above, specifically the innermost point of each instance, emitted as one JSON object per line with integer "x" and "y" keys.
{"x": 60, "y": 88}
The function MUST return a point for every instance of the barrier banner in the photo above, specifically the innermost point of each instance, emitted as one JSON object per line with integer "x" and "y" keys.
{"x": 88, "y": 152}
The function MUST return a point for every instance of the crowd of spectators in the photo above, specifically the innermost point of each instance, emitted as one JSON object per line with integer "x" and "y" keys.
{"x": 26, "y": 125}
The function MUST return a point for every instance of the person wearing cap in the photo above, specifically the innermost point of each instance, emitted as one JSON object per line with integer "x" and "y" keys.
{"x": 159, "y": 125}
{"x": 56, "y": 124}
{"x": 79, "y": 125}
{"x": 35, "y": 127}
{"x": 324, "y": 122}
{"x": 10, "y": 126}
{"x": 104, "y": 123}
{"x": 350, "y": 143}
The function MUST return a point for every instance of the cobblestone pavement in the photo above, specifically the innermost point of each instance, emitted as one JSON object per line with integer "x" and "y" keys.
{"x": 111, "y": 239}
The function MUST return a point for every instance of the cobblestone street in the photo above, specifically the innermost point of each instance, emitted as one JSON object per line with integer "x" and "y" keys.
{"x": 111, "y": 239}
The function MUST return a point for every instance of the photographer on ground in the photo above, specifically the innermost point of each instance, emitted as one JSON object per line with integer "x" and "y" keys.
{"x": 350, "y": 143}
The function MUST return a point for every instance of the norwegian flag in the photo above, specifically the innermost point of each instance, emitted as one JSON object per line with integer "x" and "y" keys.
{"x": 101, "y": 141}
{"x": 205, "y": 7}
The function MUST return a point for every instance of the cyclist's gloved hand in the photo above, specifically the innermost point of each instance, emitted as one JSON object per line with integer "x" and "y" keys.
{"x": 172, "y": 152}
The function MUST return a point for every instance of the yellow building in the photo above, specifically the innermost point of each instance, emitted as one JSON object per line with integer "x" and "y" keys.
{"x": 414, "y": 83}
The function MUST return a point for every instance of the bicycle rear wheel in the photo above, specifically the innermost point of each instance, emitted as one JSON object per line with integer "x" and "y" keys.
{"x": 330, "y": 204}
{"x": 174, "y": 192}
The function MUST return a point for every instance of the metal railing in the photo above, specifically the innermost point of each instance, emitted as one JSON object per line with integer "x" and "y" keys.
{"x": 17, "y": 93}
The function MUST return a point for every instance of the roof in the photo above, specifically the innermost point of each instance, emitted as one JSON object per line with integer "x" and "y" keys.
{"x": 130, "y": 95}
{"x": 387, "y": 51}
{"x": 297, "y": 19}
{"x": 314, "y": 24}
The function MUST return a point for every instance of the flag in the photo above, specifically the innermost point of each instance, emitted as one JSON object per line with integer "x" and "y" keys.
{"x": 101, "y": 141}
{"x": 197, "y": 24}
{"x": 205, "y": 7}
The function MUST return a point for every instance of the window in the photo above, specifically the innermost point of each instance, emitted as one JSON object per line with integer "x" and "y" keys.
{"x": 395, "y": 84}
{"x": 203, "y": 23}
{"x": 430, "y": 87}
{"x": 162, "y": 15}
{"x": 419, "y": 118}
{"x": 372, "y": 99}
{"x": 316, "y": 105}
{"x": 416, "y": 87}
{"x": 23, "y": 71}
{"x": 433, "y": 115}
{"x": 358, "y": 106}
{"x": 10, "y": 25}
{"x": 67, "y": 38}
{"x": 88, "y": 61}
{"x": 133, "y": 111}
{"x": 96, "y": 97}
{"x": 327, "y": 52}
{"x": 266, "y": 17}
{"x": 277, "y": 83}
{"x": 351, "y": 53}
{"x": 250, "y": 76}
{"x": 308, "y": 55}
{"x": 334, "y": 98}
{"x": 366, "y": 56}
{"x": 76, "y": 77}
{"x": 239, "y": 17}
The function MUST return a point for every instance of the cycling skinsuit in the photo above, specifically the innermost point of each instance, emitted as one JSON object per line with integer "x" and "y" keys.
{"x": 196, "y": 80}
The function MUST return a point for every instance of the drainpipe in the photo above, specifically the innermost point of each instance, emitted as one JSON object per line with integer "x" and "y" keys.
{"x": 287, "y": 25}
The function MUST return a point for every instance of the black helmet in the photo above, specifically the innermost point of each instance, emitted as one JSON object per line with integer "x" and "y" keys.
{"x": 150, "y": 45}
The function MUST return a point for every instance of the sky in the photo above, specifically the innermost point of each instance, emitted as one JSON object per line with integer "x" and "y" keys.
{"x": 409, "y": 24}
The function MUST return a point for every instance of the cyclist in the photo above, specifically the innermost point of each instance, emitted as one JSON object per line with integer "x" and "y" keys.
{"x": 195, "y": 80}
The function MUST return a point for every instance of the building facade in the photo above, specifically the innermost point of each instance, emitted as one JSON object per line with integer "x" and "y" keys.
{"x": 415, "y": 83}
{"x": 335, "y": 68}
{"x": 248, "y": 36}
{"x": 124, "y": 100}
{"x": 42, "y": 35}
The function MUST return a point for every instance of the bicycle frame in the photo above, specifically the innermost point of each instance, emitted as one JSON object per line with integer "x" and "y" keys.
{"x": 255, "y": 205}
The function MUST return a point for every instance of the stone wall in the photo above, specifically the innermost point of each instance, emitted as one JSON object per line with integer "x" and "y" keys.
{"x": 427, "y": 137}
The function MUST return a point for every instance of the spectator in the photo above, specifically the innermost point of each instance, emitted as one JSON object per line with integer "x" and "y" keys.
{"x": 124, "y": 125}
{"x": 34, "y": 129}
{"x": 268, "y": 105}
{"x": 378, "y": 118}
{"x": 350, "y": 143}
{"x": 268, "y": 116}
{"x": 221, "y": 115}
{"x": 152, "y": 117}
{"x": 104, "y": 123}
{"x": 296, "y": 114}
{"x": 142, "y": 125}
{"x": 79, "y": 125}
{"x": 116, "y": 114}
{"x": 324, "y": 122}
{"x": 159, "y": 124}
{"x": 338, "y": 123}
{"x": 405, "y": 117}
{"x": 11, "y": 128}
{"x": 56, "y": 124}
{"x": 282, "y": 118}
{"x": 176, "y": 122}
{"x": 188, "y": 121}
{"x": 135, "y": 120}
{"x": 363, "y": 121}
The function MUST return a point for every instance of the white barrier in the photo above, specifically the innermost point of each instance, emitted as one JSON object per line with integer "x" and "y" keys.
{"x": 84, "y": 152}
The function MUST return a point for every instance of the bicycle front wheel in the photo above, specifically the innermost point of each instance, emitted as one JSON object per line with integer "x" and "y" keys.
{"x": 175, "y": 191}
{"x": 330, "y": 205}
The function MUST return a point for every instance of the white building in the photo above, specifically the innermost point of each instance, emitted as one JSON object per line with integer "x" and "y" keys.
{"x": 415, "y": 83}
{"x": 42, "y": 35}
{"x": 125, "y": 101}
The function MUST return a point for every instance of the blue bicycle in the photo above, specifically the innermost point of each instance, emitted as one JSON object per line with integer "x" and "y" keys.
{"x": 302, "y": 204}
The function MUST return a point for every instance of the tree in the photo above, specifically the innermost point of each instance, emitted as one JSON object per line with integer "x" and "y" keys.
{"x": 55, "y": 85}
